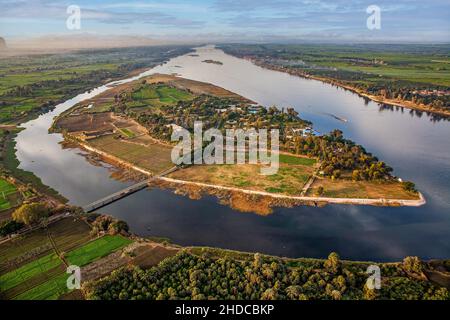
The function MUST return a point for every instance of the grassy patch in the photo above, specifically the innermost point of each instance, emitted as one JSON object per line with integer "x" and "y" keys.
{"x": 49, "y": 290}
{"x": 128, "y": 133}
{"x": 96, "y": 249}
{"x": 6, "y": 191}
{"x": 157, "y": 95}
{"x": 289, "y": 180}
{"x": 274, "y": 190}
{"x": 287, "y": 159}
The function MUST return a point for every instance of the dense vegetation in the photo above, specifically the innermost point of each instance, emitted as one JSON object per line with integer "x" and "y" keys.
{"x": 172, "y": 106}
{"x": 339, "y": 156}
{"x": 416, "y": 73}
{"x": 102, "y": 224}
{"x": 10, "y": 226}
{"x": 188, "y": 276}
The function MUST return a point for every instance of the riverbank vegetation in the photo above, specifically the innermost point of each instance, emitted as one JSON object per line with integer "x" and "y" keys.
{"x": 416, "y": 76}
{"x": 28, "y": 185}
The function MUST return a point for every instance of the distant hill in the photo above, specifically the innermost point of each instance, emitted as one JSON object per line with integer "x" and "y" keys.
{"x": 2, "y": 43}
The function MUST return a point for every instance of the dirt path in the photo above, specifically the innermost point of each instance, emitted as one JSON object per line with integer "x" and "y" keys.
{"x": 308, "y": 185}
{"x": 358, "y": 201}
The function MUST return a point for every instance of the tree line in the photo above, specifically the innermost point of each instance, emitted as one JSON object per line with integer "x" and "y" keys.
{"x": 186, "y": 276}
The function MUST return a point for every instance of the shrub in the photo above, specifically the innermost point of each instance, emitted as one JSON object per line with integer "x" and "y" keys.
{"x": 409, "y": 186}
{"x": 10, "y": 226}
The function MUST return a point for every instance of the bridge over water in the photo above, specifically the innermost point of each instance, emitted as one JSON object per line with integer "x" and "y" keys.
{"x": 197, "y": 153}
{"x": 124, "y": 192}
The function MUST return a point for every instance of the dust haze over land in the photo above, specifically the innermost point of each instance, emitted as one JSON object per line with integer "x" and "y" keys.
{"x": 60, "y": 43}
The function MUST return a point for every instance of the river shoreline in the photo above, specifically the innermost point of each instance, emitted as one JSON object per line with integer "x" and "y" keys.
{"x": 390, "y": 102}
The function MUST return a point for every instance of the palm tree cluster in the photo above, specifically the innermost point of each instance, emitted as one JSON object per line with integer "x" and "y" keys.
{"x": 186, "y": 276}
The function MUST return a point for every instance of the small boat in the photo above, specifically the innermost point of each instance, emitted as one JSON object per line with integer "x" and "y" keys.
{"x": 335, "y": 116}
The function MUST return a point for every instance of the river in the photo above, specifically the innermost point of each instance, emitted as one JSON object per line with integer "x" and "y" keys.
{"x": 415, "y": 146}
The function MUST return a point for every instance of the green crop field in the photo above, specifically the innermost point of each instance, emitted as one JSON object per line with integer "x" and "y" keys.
{"x": 284, "y": 158}
{"x": 8, "y": 195}
{"x": 49, "y": 290}
{"x": 44, "y": 278}
{"x": 28, "y": 271}
{"x": 128, "y": 133}
{"x": 66, "y": 233}
{"x": 158, "y": 95}
{"x": 96, "y": 249}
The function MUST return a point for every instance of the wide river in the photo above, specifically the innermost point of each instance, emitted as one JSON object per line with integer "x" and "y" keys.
{"x": 415, "y": 146}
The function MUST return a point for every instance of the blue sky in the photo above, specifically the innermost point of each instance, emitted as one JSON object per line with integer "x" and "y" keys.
{"x": 232, "y": 20}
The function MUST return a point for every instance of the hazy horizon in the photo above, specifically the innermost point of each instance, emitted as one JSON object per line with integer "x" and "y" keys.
{"x": 214, "y": 21}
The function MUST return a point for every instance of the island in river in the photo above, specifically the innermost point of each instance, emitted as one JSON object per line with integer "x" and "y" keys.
{"x": 130, "y": 126}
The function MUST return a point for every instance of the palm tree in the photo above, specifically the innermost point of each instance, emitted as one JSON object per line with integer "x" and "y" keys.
{"x": 292, "y": 292}
{"x": 269, "y": 294}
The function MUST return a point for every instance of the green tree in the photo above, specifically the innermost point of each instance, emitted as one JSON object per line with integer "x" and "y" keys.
{"x": 413, "y": 265}
{"x": 30, "y": 213}
{"x": 257, "y": 262}
{"x": 269, "y": 294}
{"x": 409, "y": 186}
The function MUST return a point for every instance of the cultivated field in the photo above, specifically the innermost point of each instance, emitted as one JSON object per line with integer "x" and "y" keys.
{"x": 152, "y": 157}
{"x": 66, "y": 234}
{"x": 31, "y": 84}
{"x": 158, "y": 96}
{"x": 96, "y": 249}
{"x": 9, "y": 195}
{"x": 34, "y": 266}
{"x": 87, "y": 122}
